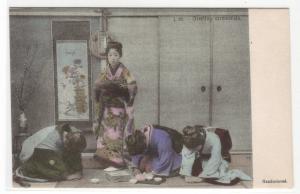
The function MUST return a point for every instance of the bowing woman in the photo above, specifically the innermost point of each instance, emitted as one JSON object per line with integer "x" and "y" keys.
{"x": 205, "y": 157}
{"x": 155, "y": 149}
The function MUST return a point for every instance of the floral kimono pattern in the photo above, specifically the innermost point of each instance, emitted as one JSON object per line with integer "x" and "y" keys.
{"x": 114, "y": 113}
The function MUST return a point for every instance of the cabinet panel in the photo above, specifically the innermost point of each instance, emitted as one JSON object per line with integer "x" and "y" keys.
{"x": 184, "y": 69}
{"x": 139, "y": 37}
{"x": 231, "y": 80}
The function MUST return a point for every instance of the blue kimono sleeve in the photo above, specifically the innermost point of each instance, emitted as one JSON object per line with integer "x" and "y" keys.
{"x": 188, "y": 158}
{"x": 135, "y": 160}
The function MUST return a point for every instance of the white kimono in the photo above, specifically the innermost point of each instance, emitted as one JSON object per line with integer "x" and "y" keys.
{"x": 33, "y": 141}
{"x": 45, "y": 138}
{"x": 215, "y": 166}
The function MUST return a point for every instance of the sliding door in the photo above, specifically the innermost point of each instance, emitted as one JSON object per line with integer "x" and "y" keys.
{"x": 184, "y": 71}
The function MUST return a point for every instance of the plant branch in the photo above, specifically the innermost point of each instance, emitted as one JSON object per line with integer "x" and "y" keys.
{"x": 24, "y": 91}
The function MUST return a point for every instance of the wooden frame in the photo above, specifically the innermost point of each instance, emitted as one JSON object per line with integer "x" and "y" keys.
{"x": 74, "y": 70}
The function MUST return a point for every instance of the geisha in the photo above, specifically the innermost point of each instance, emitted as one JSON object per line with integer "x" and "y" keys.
{"x": 115, "y": 90}
{"x": 205, "y": 156}
{"x": 153, "y": 150}
{"x": 52, "y": 154}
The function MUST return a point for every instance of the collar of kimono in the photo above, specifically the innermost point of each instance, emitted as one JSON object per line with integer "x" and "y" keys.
{"x": 61, "y": 133}
{"x": 148, "y": 132}
{"x": 117, "y": 73}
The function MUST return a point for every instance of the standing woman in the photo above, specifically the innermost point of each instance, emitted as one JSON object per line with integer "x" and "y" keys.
{"x": 114, "y": 90}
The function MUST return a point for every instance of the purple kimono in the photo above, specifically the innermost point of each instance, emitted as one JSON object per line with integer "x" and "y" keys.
{"x": 159, "y": 157}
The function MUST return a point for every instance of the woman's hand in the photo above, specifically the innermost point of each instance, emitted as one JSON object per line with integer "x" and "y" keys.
{"x": 193, "y": 179}
{"x": 136, "y": 171}
{"x": 74, "y": 176}
{"x": 140, "y": 177}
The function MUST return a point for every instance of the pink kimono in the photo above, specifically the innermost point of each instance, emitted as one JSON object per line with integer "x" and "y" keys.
{"x": 114, "y": 110}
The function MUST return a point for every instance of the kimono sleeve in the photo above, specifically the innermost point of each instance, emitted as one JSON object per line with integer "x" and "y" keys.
{"x": 97, "y": 85}
{"x": 98, "y": 104}
{"x": 214, "y": 162}
{"x": 135, "y": 160}
{"x": 162, "y": 164}
{"x": 132, "y": 86}
{"x": 188, "y": 158}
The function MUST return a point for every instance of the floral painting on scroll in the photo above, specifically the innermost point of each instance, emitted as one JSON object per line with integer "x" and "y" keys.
{"x": 72, "y": 80}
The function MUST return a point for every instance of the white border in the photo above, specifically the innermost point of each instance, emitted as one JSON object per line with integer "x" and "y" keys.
{"x": 5, "y": 117}
{"x": 147, "y": 3}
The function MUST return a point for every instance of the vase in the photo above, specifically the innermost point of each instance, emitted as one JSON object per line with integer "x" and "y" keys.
{"x": 22, "y": 123}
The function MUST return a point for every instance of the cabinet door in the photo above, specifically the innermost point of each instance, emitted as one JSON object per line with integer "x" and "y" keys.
{"x": 139, "y": 37}
{"x": 184, "y": 69}
{"x": 231, "y": 80}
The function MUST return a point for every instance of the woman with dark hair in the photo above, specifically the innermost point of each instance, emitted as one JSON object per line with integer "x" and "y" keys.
{"x": 52, "y": 154}
{"x": 115, "y": 90}
{"x": 153, "y": 150}
{"x": 205, "y": 156}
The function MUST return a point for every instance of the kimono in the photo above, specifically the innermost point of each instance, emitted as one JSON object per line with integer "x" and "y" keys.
{"x": 114, "y": 113}
{"x": 213, "y": 168}
{"x": 43, "y": 158}
{"x": 160, "y": 158}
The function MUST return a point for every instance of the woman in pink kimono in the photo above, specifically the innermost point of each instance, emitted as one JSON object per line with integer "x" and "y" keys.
{"x": 114, "y": 90}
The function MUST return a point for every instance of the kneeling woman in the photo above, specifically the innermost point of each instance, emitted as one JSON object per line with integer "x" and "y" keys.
{"x": 52, "y": 154}
{"x": 203, "y": 157}
{"x": 152, "y": 150}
